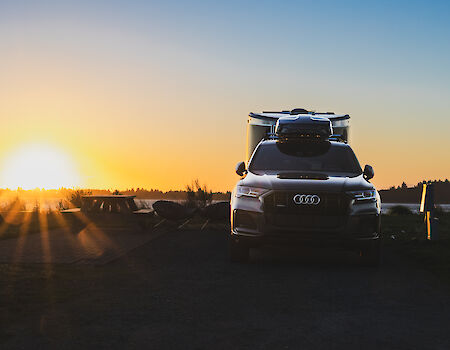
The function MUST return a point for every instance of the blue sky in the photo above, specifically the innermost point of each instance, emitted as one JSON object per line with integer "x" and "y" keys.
{"x": 143, "y": 65}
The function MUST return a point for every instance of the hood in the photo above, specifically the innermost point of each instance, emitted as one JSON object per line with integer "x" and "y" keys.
{"x": 287, "y": 181}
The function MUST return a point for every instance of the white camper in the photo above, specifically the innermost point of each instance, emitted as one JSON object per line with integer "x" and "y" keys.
{"x": 262, "y": 125}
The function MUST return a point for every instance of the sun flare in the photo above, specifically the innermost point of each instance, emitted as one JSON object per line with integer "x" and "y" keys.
{"x": 39, "y": 166}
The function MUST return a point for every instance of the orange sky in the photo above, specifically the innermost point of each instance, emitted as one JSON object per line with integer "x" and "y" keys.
{"x": 135, "y": 102}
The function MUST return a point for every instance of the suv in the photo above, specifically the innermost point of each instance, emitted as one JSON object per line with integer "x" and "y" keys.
{"x": 303, "y": 185}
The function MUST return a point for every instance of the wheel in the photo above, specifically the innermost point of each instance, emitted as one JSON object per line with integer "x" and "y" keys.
{"x": 371, "y": 254}
{"x": 239, "y": 252}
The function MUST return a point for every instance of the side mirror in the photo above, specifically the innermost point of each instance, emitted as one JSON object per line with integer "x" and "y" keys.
{"x": 240, "y": 168}
{"x": 368, "y": 172}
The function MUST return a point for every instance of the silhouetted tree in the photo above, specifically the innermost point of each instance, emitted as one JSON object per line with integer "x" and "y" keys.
{"x": 76, "y": 195}
{"x": 198, "y": 196}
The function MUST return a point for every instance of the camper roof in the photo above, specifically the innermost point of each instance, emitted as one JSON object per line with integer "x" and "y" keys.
{"x": 270, "y": 115}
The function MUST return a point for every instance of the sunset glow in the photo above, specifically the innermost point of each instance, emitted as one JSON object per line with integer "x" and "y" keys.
{"x": 38, "y": 166}
{"x": 140, "y": 103}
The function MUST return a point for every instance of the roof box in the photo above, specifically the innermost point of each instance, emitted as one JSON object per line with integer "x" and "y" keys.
{"x": 303, "y": 127}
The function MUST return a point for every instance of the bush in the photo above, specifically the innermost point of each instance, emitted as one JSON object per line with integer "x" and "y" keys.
{"x": 62, "y": 205}
{"x": 75, "y": 197}
{"x": 439, "y": 211}
{"x": 400, "y": 210}
{"x": 37, "y": 207}
{"x": 198, "y": 196}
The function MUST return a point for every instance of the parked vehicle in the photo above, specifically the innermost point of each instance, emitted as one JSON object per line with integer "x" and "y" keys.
{"x": 303, "y": 184}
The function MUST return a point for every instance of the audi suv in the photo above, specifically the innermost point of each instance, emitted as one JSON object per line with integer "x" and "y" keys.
{"x": 303, "y": 187}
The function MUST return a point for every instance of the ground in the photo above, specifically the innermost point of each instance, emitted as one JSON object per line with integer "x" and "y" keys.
{"x": 180, "y": 291}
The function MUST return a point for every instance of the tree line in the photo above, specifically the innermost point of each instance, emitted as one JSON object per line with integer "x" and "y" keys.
{"x": 405, "y": 194}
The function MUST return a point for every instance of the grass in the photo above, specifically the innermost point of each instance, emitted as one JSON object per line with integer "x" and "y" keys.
{"x": 29, "y": 289}
{"x": 15, "y": 223}
{"x": 412, "y": 227}
{"x": 400, "y": 210}
{"x": 402, "y": 231}
{"x": 406, "y": 234}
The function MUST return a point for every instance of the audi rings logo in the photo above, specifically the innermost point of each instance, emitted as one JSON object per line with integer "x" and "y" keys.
{"x": 306, "y": 199}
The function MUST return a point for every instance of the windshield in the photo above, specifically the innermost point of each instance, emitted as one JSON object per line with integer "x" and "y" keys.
{"x": 305, "y": 157}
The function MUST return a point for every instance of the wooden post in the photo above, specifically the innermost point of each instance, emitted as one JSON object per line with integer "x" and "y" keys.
{"x": 427, "y": 206}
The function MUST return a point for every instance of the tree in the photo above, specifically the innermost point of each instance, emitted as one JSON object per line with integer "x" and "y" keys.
{"x": 197, "y": 195}
{"x": 75, "y": 197}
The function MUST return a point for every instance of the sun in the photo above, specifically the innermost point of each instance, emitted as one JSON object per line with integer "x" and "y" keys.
{"x": 38, "y": 166}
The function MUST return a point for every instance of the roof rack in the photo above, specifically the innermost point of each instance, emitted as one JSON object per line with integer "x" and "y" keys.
{"x": 337, "y": 138}
{"x": 282, "y": 112}
{"x": 296, "y": 111}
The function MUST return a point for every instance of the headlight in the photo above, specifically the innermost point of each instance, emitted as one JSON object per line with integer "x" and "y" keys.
{"x": 367, "y": 195}
{"x": 247, "y": 191}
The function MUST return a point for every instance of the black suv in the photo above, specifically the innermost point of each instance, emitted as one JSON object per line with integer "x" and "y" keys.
{"x": 302, "y": 187}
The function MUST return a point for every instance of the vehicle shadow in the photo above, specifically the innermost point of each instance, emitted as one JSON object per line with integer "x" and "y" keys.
{"x": 305, "y": 256}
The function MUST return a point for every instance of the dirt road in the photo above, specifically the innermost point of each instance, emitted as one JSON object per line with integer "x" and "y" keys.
{"x": 181, "y": 292}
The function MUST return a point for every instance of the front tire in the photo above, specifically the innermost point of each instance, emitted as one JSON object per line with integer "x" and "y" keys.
{"x": 239, "y": 252}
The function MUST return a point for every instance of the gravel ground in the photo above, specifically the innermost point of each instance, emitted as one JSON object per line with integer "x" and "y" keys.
{"x": 180, "y": 292}
{"x": 91, "y": 245}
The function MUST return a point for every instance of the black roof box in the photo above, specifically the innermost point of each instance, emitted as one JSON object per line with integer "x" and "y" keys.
{"x": 296, "y": 111}
{"x": 303, "y": 127}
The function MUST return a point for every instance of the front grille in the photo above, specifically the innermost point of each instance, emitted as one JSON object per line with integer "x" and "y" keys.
{"x": 301, "y": 222}
{"x": 281, "y": 211}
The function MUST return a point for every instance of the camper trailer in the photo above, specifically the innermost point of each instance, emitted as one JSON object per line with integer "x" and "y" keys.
{"x": 261, "y": 126}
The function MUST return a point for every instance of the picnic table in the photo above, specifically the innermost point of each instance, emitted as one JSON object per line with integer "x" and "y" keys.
{"x": 109, "y": 204}
{"x": 110, "y": 210}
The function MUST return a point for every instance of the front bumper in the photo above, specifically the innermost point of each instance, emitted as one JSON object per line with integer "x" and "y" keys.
{"x": 358, "y": 227}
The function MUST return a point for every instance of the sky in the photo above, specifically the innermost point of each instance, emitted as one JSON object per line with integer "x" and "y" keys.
{"x": 156, "y": 94}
